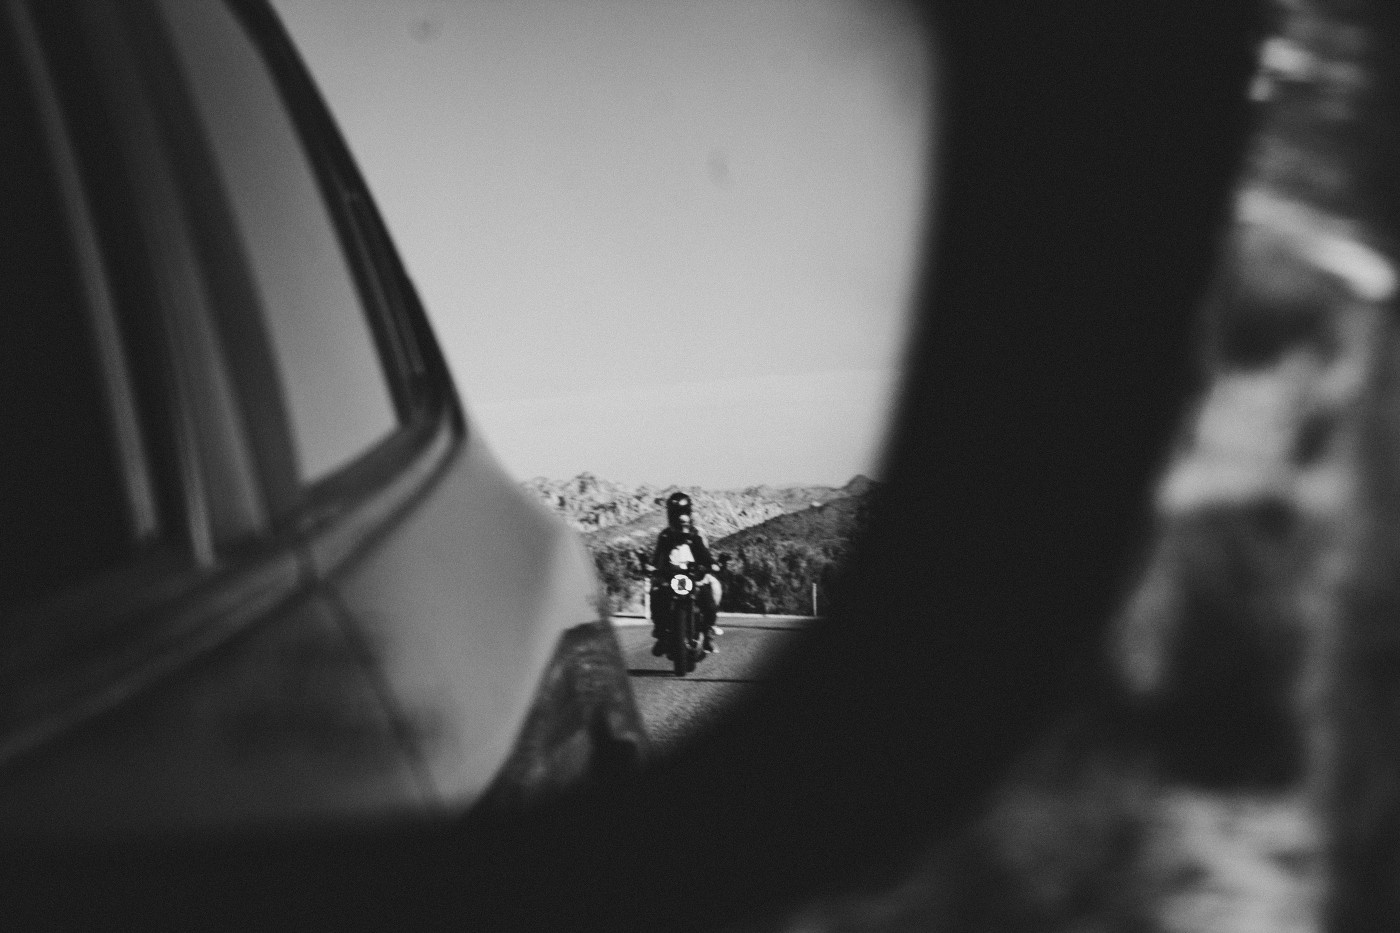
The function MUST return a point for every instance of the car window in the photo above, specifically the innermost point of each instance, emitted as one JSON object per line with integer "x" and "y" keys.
{"x": 334, "y": 386}
{"x": 67, "y": 509}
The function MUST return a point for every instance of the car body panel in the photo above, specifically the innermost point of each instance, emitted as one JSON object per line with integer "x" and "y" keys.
{"x": 478, "y": 579}
{"x": 280, "y": 725}
{"x": 395, "y": 688}
{"x": 393, "y": 641}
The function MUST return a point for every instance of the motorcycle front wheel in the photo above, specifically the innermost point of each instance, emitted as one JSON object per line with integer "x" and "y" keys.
{"x": 682, "y": 632}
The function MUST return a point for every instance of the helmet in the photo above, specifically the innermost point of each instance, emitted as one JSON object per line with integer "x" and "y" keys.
{"x": 677, "y": 504}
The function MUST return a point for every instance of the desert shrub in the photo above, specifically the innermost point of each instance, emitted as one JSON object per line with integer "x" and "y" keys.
{"x": 776, "y": 576}
{"x": 620, "y": 575}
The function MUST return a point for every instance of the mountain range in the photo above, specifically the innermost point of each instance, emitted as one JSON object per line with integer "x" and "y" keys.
{"x": 784, "y": 542}
{"x": 609, "y": 514}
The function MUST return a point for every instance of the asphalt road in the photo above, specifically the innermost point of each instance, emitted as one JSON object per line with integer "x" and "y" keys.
{"x": 676, "y": 708}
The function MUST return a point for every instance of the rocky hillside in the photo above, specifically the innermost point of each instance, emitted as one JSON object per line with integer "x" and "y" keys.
{"x": 829, "y": 524}
{"x": 609, "y": 513}
{"x": 783, "y": 539}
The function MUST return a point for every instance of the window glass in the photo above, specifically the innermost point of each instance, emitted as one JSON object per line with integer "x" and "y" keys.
{"x": 333, "y": 381}
{"x": 64, "y": 511}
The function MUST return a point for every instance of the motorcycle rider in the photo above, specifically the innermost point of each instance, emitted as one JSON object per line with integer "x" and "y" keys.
{"x": 678, "y": 544}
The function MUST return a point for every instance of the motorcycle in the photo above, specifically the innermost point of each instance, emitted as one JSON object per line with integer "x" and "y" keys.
{"x": 684, "y": 638}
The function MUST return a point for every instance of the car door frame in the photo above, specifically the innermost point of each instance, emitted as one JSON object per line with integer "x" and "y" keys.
{"x": 208, "y": 575}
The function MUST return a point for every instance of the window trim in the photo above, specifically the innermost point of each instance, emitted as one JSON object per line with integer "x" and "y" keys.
{"x": 98, "y": 303}
{"x": 95, "y": 643}
{"x": 420, "y": 392}
{"x": 221, "y": 492}
{"x": 434, "y": 429}
{"x": 427, "y": 384}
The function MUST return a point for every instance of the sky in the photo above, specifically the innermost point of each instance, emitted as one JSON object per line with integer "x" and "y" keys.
{"x": 663, "y": 242}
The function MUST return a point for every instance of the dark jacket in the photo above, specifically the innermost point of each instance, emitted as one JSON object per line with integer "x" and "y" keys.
{"x": 670, "y": 539}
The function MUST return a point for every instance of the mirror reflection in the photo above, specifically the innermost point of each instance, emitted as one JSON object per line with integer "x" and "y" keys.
{"x": 664, "y": 247}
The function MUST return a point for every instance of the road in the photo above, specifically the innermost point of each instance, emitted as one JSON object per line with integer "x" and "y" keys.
{"x": 677, "y": 708}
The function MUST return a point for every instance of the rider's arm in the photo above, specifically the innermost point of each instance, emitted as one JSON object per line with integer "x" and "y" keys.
{"x": 702, "y": 551}
{"x": 658, "y": 555}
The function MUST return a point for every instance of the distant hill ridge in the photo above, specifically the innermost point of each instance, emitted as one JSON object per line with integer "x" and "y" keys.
{"x": 833, "y": 524}
{"x": 608, "y": 513}
{"x": 786, "y": 543}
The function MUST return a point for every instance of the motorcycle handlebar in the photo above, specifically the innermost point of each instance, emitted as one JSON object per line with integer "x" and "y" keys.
{"x": 663, "y": 573}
